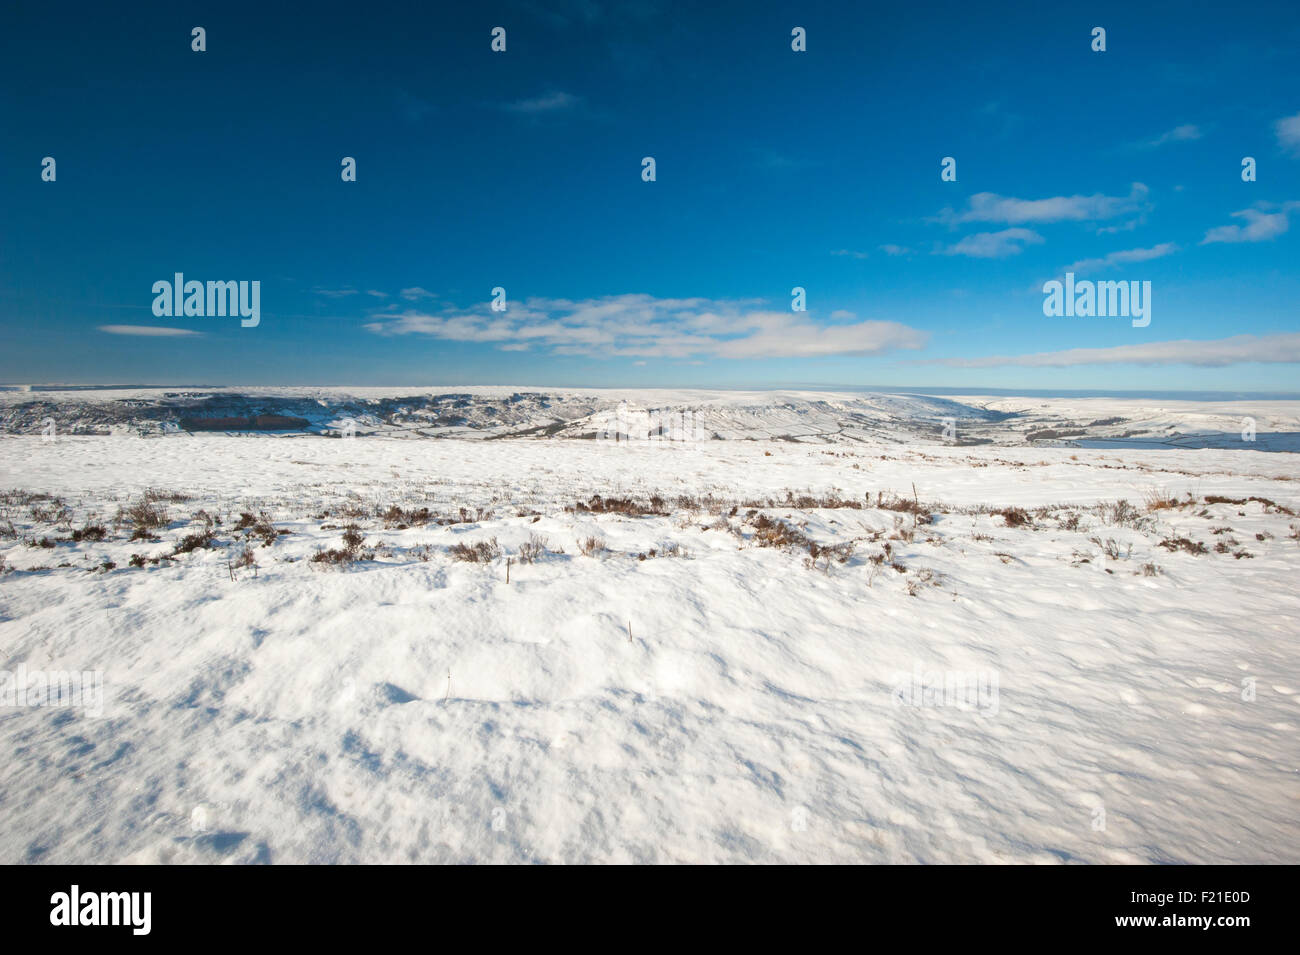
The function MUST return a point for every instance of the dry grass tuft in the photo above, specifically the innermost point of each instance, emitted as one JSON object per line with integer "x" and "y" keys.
{"x": 1158, "y": 499}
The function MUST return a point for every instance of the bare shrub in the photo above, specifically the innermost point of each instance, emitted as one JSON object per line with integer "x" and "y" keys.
{"x": 1123, "y": 514}
{"x": 91, "y": 532}
{"x": 483, "y": 552}
{"x": 591, "y": 546}
{"x": 476, "y": 516}
{"x": 903, "y": 532}
{"x": 532, "y": 549}
{"x": 353, "y": 549}
{"x": 895, "y": 503}
{"x": 400, "y": 519}
{"x": 201, "y": 539}
{"x": 821, "y": 556}
{"x": 1015, "y": 516}
{"x": 628, "y": 507}
{"x": 55, "y": 512}
{"x": 832, "y": 501}
{"x": 1111, "y": 548}
{"x": 154, "y": 495}
{"x": 245, "y": 559}
{"x": 144, "y": 516}
{"x": 776, "y": 533}
{"x": 259, "y": 527}
{"x": 1184, "y": 544}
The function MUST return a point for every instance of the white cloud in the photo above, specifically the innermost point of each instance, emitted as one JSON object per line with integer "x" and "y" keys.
{"x": 1179, "y": 134}
{"x": 1283, "y": 348}
{"x": 851, "y": 253}
{"x": 891, "y": 249}
{"x": 643, "y": 326}
{"x": 1123, "y": 226}
{"x": 994, "y": 245}
{"x": 411, "y": 294}
{"x": 1288, "y": 133}
{"x": 148, "y": 331}
{"x": 990, "y": 207}
{"x": 1260, "y": 226}
{"x": 552, "y": 102}
{"x": 1123, "y": 257}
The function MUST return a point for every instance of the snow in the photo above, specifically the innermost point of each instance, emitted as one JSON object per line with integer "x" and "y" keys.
{"x": 729, "y": 704}
{"x": 493, "y": 412}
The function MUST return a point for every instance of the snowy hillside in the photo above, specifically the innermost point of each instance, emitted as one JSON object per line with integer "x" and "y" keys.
{"x": 818, "y": 417}
{"x": 382, "y": 650}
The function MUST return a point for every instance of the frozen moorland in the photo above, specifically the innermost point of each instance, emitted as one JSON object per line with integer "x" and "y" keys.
{"x": 822, "y": 634}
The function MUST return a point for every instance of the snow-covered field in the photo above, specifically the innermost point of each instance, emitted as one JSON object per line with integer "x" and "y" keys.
{"x": 742, "y": 668}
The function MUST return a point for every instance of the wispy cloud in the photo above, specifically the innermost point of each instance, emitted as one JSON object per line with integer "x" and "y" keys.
{"x": 994, "y": 245}
{"x": 414, "y": 293}
{"x": 412, "y": 108}
{"x": 851, "y": 253}
{"x": 767, "y": 159}
{"x": 1288, "y": 133}
{"x": 1261, "y": 225}
{"x": 1179, "y": 134}
{"x": 553, "y": 102}
{"x": 335, "y": 292}
{"x": 1123, "y": 226}
{"x": 147, "y": 331}
{"x": 643, "y": 326}
{"x": 990, "y": 207}
{"x": 891, "y": 249}
{"x": 1123, "y": 257}
{"x": 1281, "y": 348}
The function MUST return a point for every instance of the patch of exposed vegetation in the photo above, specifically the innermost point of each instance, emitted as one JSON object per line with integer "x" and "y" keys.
{"x": 481, "y": 552}
{"x": 353, "y": 549}
{"x": 1184, "y": 544}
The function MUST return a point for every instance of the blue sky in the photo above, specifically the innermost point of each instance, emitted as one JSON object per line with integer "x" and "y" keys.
{"x": 775, "y": 169}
